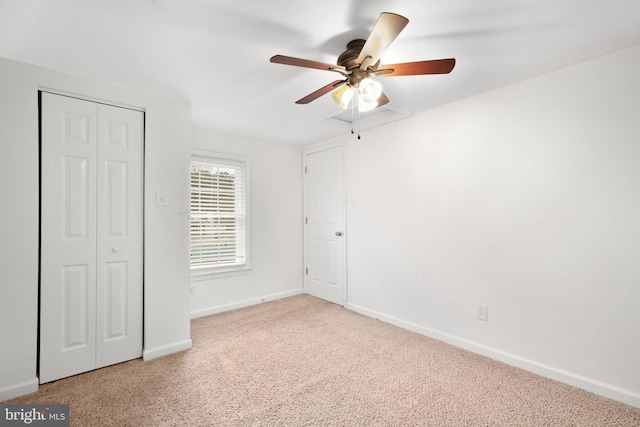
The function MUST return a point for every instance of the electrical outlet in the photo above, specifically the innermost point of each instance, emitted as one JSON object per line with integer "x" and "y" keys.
{"x": 481, "y": 312}
{"x": 161, "y": 198}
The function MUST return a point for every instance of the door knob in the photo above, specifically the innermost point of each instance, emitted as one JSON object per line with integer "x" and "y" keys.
{"x": 115, "y": 250}
{"x": 338, "y": 233}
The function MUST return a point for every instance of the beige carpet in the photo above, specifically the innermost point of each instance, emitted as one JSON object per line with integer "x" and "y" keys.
{"x": 302, "y": 361}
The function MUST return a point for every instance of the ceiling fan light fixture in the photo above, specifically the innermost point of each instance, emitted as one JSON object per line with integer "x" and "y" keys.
{"x": 364, "y": 106}
{"x": 343, "y": 96}
{"x": 369, "y": 91}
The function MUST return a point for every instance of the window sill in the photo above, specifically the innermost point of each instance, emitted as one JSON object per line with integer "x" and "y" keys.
{"x": 208, "y": 274}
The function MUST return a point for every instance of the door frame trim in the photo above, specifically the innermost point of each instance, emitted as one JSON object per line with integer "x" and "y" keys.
{"x": 89, "y": 98}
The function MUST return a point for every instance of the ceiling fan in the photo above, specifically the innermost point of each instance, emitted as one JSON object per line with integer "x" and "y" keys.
{"x": 361, "y": 61}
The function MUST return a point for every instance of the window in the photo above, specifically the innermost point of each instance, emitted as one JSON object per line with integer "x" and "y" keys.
{"x": 218, "y": 215}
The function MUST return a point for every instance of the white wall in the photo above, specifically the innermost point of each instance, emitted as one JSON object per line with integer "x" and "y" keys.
{"x": 275, "y": 225}
{"x": 526, "y": 199}
{"x": 167, "y": 136}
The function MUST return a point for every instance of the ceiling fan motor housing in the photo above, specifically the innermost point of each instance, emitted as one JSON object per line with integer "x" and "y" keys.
{"x": 349, "y": 60}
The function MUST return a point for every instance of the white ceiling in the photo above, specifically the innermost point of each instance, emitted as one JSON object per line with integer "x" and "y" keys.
{"x": 215, "y": 54}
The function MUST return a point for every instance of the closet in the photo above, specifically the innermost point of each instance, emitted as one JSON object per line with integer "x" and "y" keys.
{"x": 91, "y": 235}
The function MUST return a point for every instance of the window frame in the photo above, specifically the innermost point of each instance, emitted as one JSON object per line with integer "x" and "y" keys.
{"x": 210, "y": 272}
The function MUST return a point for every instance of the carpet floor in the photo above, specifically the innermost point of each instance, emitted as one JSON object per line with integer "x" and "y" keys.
{"x": 302, "y": 361}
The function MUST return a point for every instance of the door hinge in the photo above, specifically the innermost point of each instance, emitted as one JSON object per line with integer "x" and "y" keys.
{"x": 305, "y": 169}
{"x": 305, "y": 220}
{"x": 306, "y": 271}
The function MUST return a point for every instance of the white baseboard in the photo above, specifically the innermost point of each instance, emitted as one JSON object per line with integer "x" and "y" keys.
{"x": 584, "y": 383}
{"x": 165, "y": 350}
{"x": 245, "y": 303}
{"x": 20, "y": 389}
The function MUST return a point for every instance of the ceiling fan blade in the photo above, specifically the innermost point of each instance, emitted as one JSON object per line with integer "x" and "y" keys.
{"x": 306, "y": 63}
{"x": 323, "y": 90}
{"x": 436, "y": 66}
{"x": 384, "y": 32}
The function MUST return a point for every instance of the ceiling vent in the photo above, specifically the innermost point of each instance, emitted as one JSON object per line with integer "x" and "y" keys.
{"x": 347, "y": 120}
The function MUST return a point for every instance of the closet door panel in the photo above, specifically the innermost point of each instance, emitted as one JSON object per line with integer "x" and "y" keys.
{"x": 119, "y": 257}
{"x": 68, "y": 237}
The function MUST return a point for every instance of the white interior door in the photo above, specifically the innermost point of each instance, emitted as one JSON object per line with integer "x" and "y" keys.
{"x": 119, "y": 235}
{"x": 91, "y": 236}
{"x": 68, "y": 237}
{"x": 324, "y": 225}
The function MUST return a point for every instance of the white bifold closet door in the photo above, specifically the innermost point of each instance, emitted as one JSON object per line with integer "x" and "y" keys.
{"x": 91, "y": 278}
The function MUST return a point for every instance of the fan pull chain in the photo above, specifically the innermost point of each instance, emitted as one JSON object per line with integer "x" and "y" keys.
{"x": 358, "y": 115}
{"x": 353, "y": 102}
{"x": 353, "y": 107}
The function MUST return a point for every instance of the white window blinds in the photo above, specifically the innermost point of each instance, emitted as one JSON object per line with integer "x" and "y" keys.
{"x": 218, "y": 213}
